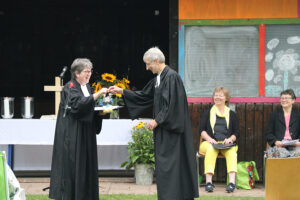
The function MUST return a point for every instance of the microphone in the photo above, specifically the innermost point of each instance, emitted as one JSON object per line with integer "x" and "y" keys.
{"x": 62, "y": 74}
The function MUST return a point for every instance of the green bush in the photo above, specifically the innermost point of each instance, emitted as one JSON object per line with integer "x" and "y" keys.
{"x": 141, "y": 149}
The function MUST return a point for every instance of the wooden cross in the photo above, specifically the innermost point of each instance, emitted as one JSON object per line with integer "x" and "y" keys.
{"x": 57, "y": 88}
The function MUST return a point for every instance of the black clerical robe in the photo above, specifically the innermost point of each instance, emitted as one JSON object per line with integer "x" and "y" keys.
{"x": 74, "y": 170}
{"x": 175, "y": 162}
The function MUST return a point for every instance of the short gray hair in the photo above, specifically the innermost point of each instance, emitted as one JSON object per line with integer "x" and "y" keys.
{"x": 79, "y": 64}
{"x": 153, "y": 54}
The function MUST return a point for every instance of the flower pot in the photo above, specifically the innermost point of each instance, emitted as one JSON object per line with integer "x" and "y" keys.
{"x": 143, "y": 174}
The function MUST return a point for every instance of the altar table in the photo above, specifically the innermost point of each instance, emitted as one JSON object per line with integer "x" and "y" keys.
{"x": 32, "y": 140}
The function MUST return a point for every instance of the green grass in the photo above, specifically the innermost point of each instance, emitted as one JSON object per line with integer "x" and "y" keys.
{"x": 146, "y": 197}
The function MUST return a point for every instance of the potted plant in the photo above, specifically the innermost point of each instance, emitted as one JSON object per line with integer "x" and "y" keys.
{"x": 141, "y": 154}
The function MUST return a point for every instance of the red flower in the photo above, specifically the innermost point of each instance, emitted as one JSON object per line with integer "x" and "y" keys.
{"x": 71, "y": 85}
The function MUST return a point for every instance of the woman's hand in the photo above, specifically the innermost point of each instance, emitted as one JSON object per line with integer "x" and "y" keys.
{"x": 297, "y": 144}
{"x": 103, "y": 91}
{"x": 206, "y": 137}
{"x": 279, "y": 144}
{"x": 99, "y": 93}
{"x": 228, "y": 141}
{"x": 212, "y": 141}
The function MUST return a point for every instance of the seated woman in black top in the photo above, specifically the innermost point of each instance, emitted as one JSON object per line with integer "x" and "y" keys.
{"x": 219, "y": 124}
{"x": 284, "y": 124}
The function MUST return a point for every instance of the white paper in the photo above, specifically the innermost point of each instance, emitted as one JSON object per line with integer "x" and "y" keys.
{"x": 289, "y": 142}
{"x": 107, "y": 107}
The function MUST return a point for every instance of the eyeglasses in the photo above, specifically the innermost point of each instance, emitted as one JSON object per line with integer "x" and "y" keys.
{"x": 219, "y": 96}
{"x": 285, "y": 98}
{"x": 87, "y": 71}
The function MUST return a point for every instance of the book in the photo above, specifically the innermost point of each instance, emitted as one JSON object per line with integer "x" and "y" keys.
{"x": 223, "y": 146}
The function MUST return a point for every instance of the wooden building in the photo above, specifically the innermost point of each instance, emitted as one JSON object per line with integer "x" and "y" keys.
{"x": 251, "y": 47}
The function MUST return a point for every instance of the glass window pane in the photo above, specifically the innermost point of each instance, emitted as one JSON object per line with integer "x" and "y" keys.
{"x": 221, "y": 56}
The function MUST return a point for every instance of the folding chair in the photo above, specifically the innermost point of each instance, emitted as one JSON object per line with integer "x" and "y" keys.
{"x": 202, "y": 155}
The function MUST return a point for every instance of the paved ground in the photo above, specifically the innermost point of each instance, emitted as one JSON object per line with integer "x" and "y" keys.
{"x": 128, "y": 186}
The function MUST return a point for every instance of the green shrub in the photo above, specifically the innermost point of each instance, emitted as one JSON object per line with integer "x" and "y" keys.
{"x": 141, "y": 149}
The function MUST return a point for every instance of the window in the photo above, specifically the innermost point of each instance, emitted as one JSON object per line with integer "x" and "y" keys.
{"x": 221, "y": 56}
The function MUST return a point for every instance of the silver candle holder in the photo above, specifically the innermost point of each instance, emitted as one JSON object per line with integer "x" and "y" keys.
{"x": 7, "y": 107}
{"x": 27, "y": 107}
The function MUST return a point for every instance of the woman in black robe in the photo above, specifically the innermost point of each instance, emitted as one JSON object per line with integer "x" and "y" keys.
{"x": 74, "y": 170}
{"x": 175, "y": 161}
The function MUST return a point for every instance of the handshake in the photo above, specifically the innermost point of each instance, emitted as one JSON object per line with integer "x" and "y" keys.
{"x": 104, "y": 91}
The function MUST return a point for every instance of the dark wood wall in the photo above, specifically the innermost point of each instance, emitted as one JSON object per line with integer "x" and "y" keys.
{"x": 38, "y": 38}
{"x": 253, "y": 120}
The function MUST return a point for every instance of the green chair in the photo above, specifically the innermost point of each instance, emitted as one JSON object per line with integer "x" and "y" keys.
{"x": 3, "y": 178}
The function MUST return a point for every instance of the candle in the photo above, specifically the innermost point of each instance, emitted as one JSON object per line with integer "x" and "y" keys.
{"x": 27, "y": 107}
{"x": 6, "y": 107}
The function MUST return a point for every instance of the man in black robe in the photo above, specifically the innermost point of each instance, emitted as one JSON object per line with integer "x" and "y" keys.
{"x": 74, "y": 170}
{"x": 175, "y": 162}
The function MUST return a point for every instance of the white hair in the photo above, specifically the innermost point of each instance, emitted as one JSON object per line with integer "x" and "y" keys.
{"x": 153, "y": 54}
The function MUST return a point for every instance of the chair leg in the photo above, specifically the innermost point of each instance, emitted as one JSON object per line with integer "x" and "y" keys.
{"x": 198, "y": 175}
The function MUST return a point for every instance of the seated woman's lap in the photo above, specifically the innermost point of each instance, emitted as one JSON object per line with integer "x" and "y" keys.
{"x": 211, "y": 155}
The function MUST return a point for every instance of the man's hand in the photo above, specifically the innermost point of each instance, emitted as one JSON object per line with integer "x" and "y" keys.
{"x": 115, "y": 90}
{"x": 152, "y": 125}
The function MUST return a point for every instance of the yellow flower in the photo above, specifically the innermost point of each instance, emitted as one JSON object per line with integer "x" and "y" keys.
{"x": 97, "y": 88}
{"x": 120, "y": 85}
{"x": 108, "y": 77}
{"x": 139, "y": 125}
{"x": 94, "y": 84}
{"x": 107, "y": 111}
{"x": 126, "y": 81}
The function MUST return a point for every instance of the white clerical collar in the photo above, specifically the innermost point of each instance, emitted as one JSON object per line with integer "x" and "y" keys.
{"x": 158, "y": 78}
{"x": 85, "y": 90}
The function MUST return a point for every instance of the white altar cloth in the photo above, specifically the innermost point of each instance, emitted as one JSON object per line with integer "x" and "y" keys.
{"x": 41, "y": 132}
{"x": 33, "y": 140}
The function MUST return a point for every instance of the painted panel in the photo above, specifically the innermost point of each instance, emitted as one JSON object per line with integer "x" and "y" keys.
{"x": 237, "y": 9}
{"x": 282, "y": 59}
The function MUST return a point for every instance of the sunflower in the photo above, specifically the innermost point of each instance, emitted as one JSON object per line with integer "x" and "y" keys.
{"x": 108, "y": 77}
{"x": 97, "y": 87}
{"x": 93, "y": 84}
{"x": 120, "y": 85}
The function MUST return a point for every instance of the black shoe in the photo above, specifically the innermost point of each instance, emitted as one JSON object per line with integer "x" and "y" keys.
{"x": 230, "y": 187}
{"x": 209, "y": 187}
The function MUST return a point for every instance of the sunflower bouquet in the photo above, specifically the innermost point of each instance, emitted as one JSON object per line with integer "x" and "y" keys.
{"x": 105, "y": 81}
